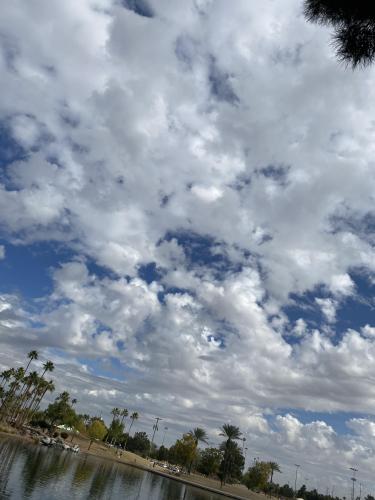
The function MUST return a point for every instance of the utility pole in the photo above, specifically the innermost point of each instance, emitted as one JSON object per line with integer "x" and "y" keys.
{"x": 360, "y": 491}
{"x": 155, "y": 428}
{"x": 295, "y": 481}
{"x": 354, "y": 480}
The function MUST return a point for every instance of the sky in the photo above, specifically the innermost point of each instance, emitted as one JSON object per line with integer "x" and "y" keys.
{"x": 187, "y": 222}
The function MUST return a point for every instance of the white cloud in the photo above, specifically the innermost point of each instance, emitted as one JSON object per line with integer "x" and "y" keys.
{"x": 328, "y": 307}
{"x": 207, "y": 194}
{"x": 2, "y": 252}
{"x": 234, "y": 124}
{"x": 342, "y": 284}
{"x": 368, "y": 331}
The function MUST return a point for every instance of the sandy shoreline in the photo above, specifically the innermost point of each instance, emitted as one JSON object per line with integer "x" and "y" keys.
{"x": 99, "y": 450}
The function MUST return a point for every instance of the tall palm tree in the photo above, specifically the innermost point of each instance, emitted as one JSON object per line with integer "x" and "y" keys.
{"x": 6, "y": 375}
{"x": 27, "y": 398}
{"x": 231, "y": 433}
{"x": 10, "y": 399}
{"x": 46, "y": 386}
{"x": 48, "y": 367}
{"x": 31, "y": 355}
{"x": 115, "y": 413}
{"x": 199, "y": 435}
{"x": 134, "y": 416}
{"x": 274, "y": 467}
{"x": 124, "y": 413}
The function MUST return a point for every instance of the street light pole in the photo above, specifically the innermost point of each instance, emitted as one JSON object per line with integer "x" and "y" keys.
{"x": 295, "y": 481}
{"x": 155, "y": 427}
{"x": 353, "y": 479}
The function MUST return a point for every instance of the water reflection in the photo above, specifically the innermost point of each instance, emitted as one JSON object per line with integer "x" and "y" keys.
{"x": 82, "y": 473}
{"x": 33, "y": 472}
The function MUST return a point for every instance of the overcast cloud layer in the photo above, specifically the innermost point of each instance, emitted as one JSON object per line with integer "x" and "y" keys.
{"x": 202, "y": 166}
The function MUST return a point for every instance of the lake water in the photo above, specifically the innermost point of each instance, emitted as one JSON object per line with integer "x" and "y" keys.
{"x": 29, "y": 471}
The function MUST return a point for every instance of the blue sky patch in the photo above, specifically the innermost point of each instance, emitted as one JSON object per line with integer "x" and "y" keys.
{"x": 26, "y": 269}
{"x": 140, "y": 7}
{"x": 10, "y": 149}
{"x": 150, "y": 272}
{"x": 352, "y": 312}
{"x": 202, "y": 251}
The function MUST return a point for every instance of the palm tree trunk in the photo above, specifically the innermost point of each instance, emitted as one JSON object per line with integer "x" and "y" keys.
{"x": 130, "y": 428}
{"x": 37, "y": 404}
{"x": 25, "y": 416}
{"x": 24, "y": 403}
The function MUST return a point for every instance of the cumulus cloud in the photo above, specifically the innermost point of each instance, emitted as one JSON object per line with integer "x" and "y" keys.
{"x": 227, "y": 148}
{"x": 328, "y": 307}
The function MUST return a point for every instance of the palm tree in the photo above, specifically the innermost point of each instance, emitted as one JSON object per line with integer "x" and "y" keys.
{"x": 43, "y": 388}
{"x": 133, "y": 416}
{"x": 199, "y": 435}
{"x": 27, "y": 398}
{"x": 124, "y": 413}
{"x": 274, "y": 467}
{"x": 115, "y": 412}
{"x": 31, "y": 355}
{"x": 6, "y": 375}
{"x": 232, "y": 433}
{"x": 48, "y": 367}
{"x": 10, "y": 398}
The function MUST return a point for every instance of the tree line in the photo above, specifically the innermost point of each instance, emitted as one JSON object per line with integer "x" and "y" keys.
{"x": 22, "y": 391}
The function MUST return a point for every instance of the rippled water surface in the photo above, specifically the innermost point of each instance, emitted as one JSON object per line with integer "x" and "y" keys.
{"x": 30, "y": 471}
